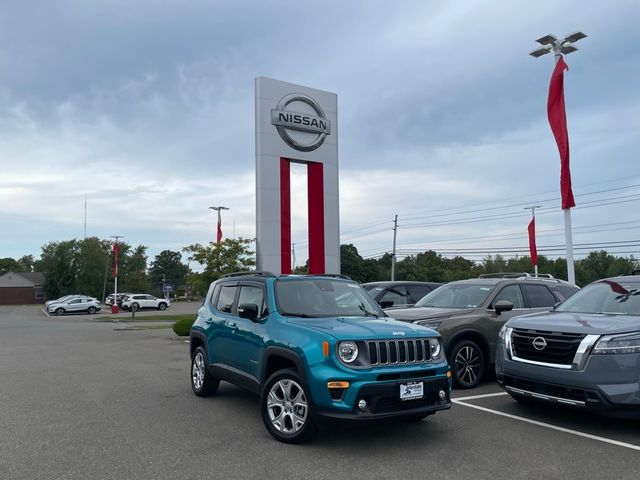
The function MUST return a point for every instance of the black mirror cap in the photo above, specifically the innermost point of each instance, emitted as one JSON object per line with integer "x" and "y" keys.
{"x": 503, "y": 306}
{"x": 248, "y": 310}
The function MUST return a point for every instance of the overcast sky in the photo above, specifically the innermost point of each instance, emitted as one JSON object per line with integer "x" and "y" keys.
{"x": 148, "y": 108}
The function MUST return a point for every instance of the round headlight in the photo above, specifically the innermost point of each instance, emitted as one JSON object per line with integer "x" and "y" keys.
{"x": 348, "y": 351}
{"x": 434, "y": 343}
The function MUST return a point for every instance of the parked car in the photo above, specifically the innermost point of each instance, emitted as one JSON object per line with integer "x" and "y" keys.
{"x": 143, "y": 300}
{"x": 119, "y": 300}
{"x": 314, "y": 348}
{"x": 585, "y": 353}
{"x": 59, "y": 300}
{"x": 469, "y": 313}
{"x": 398, "y": 293}
{"x": 75, "y": 304}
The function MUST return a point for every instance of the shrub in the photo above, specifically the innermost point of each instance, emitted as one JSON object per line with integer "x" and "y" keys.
{"x": 183, "y": 327}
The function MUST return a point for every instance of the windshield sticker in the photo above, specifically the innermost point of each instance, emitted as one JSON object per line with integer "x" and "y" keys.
{"x": 485, "y": 289}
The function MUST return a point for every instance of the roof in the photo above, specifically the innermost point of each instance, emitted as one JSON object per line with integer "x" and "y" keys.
{"x": 401, "y": 282}
{"x": 21, "y": 279}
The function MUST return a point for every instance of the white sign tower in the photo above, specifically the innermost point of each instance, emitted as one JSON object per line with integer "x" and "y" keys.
{"x": 296, "y": 124}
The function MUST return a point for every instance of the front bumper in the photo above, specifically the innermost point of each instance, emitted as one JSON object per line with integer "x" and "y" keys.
{"x": 383, "y": 401}
{"x": 607, "y": 383}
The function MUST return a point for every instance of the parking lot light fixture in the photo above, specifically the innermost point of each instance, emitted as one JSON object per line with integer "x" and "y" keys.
{"x": 566, "y": 45}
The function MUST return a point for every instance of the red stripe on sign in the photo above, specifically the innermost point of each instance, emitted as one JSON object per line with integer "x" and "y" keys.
{"x": 285, "y": 215}
{"x": 315, "y": 189}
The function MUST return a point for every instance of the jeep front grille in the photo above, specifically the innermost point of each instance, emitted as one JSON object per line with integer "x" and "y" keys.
{"x": 395, "y": 352}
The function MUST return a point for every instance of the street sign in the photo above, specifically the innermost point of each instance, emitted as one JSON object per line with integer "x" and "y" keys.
{"x": 167, "y": 287}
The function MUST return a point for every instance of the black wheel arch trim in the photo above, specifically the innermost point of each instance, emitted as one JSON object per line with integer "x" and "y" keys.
{"x": 200, "y": 336}
{"x": 471, "y": 335}
{"x": 286, "y": 354}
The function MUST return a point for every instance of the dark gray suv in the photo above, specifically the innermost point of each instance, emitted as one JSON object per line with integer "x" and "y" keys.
{"x": 469, "y": 313}
{"x": 585, "y": 353}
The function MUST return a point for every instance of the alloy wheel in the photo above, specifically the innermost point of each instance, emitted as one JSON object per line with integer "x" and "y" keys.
{"x": 468, "y": 365}
{"x": 287, "y": 406}
{"x": 197, "y": 371}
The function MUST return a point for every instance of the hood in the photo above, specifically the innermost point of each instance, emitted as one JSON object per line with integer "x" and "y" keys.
{"x": 363, "y": 328}
{"x": 587, "y": 323}
{"x": 426, "y": 313}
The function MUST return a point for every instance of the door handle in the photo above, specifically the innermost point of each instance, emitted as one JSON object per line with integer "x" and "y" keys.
{"x": 209, "y": 321}
{"x": 233, "y": 326}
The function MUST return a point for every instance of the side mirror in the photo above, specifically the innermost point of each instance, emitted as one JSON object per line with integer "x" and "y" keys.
{"x": 386, "y": 303}
{"x": 248, "y": 310}
{"x": 503, "y": 306}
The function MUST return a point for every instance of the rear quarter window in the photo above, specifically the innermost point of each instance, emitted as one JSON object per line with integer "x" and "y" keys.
{"x": 539, "y": 296}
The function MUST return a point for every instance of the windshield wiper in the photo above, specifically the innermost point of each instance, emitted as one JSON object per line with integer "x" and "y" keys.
{"x": 368, "y": 313}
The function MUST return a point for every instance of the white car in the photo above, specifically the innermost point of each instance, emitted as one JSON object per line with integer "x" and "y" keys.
{"x": 61, "y": 299}
{"x": 143, "y": 300}
{"x": 75, "y": 304}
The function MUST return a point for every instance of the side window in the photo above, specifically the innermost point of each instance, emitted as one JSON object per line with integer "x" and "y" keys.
{"x": 226, "y": 297}
{"x": 539, "y": 296}
{"x": 395, "y": 296}
{"x": 77, "y": 300}
{"x": 255, "y": 295}
{"x": 416, "y": 292}
{"x": 511, "y": 293}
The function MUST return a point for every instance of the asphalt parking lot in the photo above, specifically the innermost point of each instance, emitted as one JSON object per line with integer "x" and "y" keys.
{"x": 82, "y": 398}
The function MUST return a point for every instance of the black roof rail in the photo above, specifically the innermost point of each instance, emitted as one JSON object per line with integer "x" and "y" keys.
{"x": 504, "y": 275}
{"x": 254, "y": 273}
{"x": 334, "y": 275}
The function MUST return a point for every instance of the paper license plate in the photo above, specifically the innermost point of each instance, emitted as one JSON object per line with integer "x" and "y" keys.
{"x": 411, "y": 391}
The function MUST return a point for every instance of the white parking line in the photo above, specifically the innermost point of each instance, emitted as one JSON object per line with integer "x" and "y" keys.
{"x": 547, "y": 425}
{"x": 486, "y": 395}
{"x": 45, "y": 312}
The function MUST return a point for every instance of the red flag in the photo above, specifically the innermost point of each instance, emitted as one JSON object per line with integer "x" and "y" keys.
{"x": 532, "y": 242}
{"x": 558, "y": 122}
{"x": 219, "y": 234}
{"x": 115, "y": 262}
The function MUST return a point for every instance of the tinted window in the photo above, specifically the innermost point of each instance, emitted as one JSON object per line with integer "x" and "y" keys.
{"x": 395, "y": 296}
{"x": 416, "y": 292}
{"x": 510, "y": 293}
{"x": 539, "y": 296}
{"x": 226, "y": 297}
{"x": 564, "y": 291}
{"x": 456, "y": 295}
{"x": 252, "y": 295}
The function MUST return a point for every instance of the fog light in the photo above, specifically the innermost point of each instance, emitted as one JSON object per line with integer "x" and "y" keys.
{"x": 449, "y": 374}
{"x": 362, "y": 404}
{"x": 442, "y": 394}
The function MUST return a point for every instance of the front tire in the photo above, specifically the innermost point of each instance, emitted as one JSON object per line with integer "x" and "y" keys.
{"x": 91, "y": 310}
{"x": 468, "y": 362}
{"x": 162, "y": 306}
{"x": 60, "y": 312}
{"x": 202, "y": 382}
{"x": 286, "y": 408}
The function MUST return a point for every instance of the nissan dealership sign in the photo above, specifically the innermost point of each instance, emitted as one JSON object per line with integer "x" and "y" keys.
{"x": 296, "y": 125}
{"x": 285, "y": 117}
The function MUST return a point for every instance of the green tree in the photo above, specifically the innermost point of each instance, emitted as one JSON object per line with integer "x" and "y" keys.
{"x": 9, "y": 264}
{"x": 134, "y": 275}
{"x": 231, "y": 255}
{"x": 168, "y": 264}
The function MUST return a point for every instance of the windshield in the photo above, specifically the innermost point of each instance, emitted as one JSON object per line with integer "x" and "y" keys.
{"x": 324, "y": 297}
{"x": 605, "y": 296}
{"x": 456, "y": 295}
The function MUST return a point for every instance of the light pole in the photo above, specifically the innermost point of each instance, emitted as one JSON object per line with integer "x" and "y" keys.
{"x": 114, "y": 307}
{"x": 393, "y": 254}
{"x": 550, "y": 43}
{"x": 219, "y": 232}
{"x": 533, "y": 221}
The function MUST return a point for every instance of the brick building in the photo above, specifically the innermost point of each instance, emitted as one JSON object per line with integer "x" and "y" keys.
{"x": 21, "y": 288}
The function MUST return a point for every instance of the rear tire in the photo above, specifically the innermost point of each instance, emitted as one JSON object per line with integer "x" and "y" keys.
{"x": 467, "y": 360}
{"x": 202, "y": 382}
{"x": 286, "y": 407}
{"x": 135, "y": 307}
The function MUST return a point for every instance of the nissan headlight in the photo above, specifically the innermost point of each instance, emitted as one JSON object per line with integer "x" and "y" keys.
{"x": 348, "y": 351}
{"x": 434, "y": 345}
{"x": 618, "y": 344}
{"x": 503, "y": 332}
{"x": 430, "y": 324}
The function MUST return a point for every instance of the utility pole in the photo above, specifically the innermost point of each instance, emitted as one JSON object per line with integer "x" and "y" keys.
{"x": 114, "y": 307}
{"x": 393, "y": 255}
{"x": 566, "y": 45}
{"x": 533, "y": 217}
{"x": 85, "y": 216}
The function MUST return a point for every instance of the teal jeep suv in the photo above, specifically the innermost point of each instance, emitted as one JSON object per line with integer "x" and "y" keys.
{"x": 313, "y": 348}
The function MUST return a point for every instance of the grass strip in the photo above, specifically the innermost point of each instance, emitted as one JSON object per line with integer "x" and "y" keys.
{"x": 149, "y": 318}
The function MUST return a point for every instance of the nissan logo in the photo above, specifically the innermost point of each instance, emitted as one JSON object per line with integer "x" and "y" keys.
{"x": 539, "y": 343}
{"x": 285, "y": 120}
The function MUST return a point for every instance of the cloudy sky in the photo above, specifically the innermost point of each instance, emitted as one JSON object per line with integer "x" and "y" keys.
{"x": 147, "y": 108}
